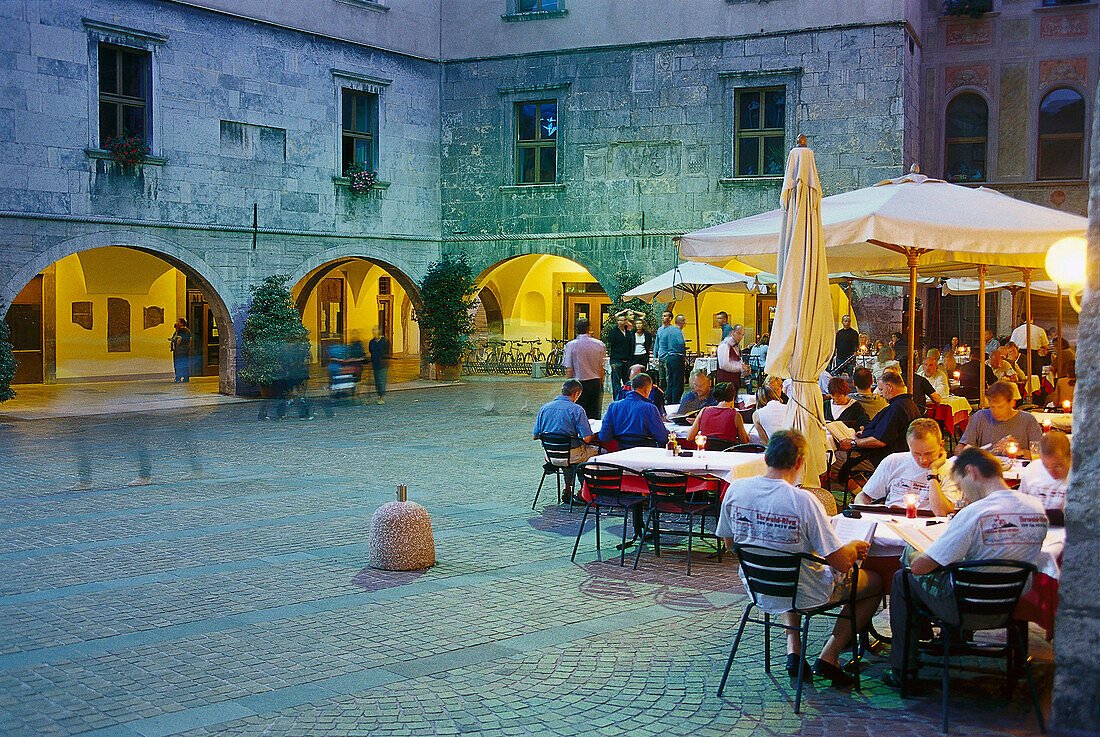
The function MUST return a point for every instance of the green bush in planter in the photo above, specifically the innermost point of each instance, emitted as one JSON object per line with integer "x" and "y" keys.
{"x": 8, "y": 363}
{"x": 275, "y": 344}
{"x": 446, "y": 294}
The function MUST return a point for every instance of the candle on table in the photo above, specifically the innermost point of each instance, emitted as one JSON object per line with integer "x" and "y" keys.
{"x": 1067, "y": 405}
{"x": 911, "y": 506}
{"x": 700, "y": 442}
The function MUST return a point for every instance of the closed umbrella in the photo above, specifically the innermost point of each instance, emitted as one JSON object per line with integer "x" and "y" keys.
{"x": 694, "y": 278}
{"x": 801, "y": 339}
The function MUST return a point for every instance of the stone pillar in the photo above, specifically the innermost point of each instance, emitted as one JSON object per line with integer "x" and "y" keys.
{"x": 1076, "y": 708}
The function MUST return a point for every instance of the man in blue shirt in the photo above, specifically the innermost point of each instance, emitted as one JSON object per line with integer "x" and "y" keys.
{"x": 634, "y": 422}
{"x": 671, "y": 350}
{"x": 700, "y": 395}
{"x": 563, "y": 416}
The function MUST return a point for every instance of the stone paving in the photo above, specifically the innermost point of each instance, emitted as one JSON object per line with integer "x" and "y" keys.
{"x": 231, "y": 596}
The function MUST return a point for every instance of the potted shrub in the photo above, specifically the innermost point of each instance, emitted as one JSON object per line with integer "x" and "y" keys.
{"x": 127, "y": 150}
{"x": 275, "y": 344}
{"x": 446, "y": 294}
{"x": 8, "y": 364}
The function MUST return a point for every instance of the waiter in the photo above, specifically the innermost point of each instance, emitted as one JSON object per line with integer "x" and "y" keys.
{"x": 729, "y": 357}
{"x": 847, "y": 342}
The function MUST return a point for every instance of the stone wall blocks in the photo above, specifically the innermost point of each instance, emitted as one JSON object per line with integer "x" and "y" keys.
{"x": 765, "y": 45}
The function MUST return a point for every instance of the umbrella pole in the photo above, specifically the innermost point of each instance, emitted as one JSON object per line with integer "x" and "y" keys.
{"x": 1027, "y": 308}
{"x": 698, "y": 342}
{"x": 981, "y": 335}
{"x": 913, "y": 258}
{"x": 1058, "y": 347}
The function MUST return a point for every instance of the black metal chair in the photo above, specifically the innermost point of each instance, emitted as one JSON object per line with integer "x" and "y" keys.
{"x": 604, "y": 482}
{"x": 556, "y": 448}
{"x": 775, "y": 574}
{"x": 986, "y": 593}
{"x": 628, "y": 441}
{"x": 668, "y": 493}
{"x": 746, "y": 448}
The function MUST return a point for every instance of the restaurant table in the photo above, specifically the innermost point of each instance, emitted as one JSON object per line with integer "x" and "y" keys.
{"x": 705, "y": 363}
{"x": 1039, "y": 604}
{"x": 717, "y": 464}
{"x": 953, "y": 412}
{"x": 1058, "y": 420}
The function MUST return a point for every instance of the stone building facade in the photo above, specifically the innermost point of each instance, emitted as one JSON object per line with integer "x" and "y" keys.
{"x": 666, "y": 118}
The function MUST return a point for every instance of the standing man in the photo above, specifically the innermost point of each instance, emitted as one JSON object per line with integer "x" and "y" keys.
{"x": 723, "y": 320}
{"x": 1030, "y": 337}
{"x": 730, "y": 366}
{"x": 583, "y": 360}
{"x": 379, "y": 347}
{"x": 181, "y": 352}
{"x": 620, "y": 344}
{"x": 671, "y": 354}
{"x": 847, "y": 342}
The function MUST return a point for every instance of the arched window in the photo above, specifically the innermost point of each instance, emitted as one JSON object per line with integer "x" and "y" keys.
{"x": 966, "y": 128}
{"x": 1061, "y": 135}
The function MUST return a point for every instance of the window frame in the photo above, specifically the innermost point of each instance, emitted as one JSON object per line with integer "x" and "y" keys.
{"x": 760, "y": 134}
{"x": 361, "y": 82}
{"x": 355, "y": 135}
{"x": 119, "y": 100}
{"x": 790, "y": 80}
{"x": 1040, "y": 137}
{"x": 537, "y": 144}
{"x": 133, "y": 40}
{"x": 966, "y": 139}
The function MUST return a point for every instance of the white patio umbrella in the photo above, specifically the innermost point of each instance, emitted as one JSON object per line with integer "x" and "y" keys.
{"x": 694, "y": 278}
{"x": 904, "y": 223}
{"x": 802, "y": 336}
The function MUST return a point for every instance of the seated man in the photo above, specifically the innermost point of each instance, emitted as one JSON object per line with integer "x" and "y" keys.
{"x": 923, "y": 470}
{"x": 771, "y": 512}
{"x": 633, "y": 421}
{"x": 936, "y": 376}
{"x": 699, "y": 396}
{"x": 885, "y": 433}
{"x": 996, "y": 523}
{"x": 1048, "y": 478}
{"x": 994, "y": 428}
{"x": 970, "y": 378}
{"x": 656, "y": 396}
{"x": 1002, "y": 369}
{"x": 864, "y": 394}
{"x": 563, "y": 416}
{"x": 922, "y": 391}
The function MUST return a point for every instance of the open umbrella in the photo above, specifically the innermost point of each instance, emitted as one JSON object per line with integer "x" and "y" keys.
{"x": 801, "y": 338}
{"x": 904, "y": 223}
{"x": 692, "y": 278}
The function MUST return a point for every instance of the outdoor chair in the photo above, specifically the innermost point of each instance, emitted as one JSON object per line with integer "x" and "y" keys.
{"x": 669, "y": 493}
{"x": 604, "y": 482}
{"x": 986, "y": 595}
{"x": 746, "y": 448}
{"x": 556, "y": 448}
{"x": 775, "y": 574}
{"x": 636, "y": 441}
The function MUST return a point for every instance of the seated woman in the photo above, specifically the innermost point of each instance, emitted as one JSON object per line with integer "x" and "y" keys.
{"x": 1067, "y": 381}
{"x": 722, "y": 421}
{"x": 770, "y": 414}
{"x": 839, "y": 407}
{"x": 884, "y": 360}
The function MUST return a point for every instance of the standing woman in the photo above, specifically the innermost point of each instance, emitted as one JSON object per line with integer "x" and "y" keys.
{"x": 643, "y": 342}
{"x": 181, "y": 352}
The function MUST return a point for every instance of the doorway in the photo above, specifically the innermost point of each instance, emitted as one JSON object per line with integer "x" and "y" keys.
{"x": 594, "y": 307}
{"x": 331, "y": 309}
{"x": 385, "y": 307}
{"x": 765, "y": 314}
{"x": 205, "y": 345}
{"x": 25, "y": 321}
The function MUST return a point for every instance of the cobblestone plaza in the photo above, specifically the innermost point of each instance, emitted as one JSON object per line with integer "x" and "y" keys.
{"x": 232, "y": 597}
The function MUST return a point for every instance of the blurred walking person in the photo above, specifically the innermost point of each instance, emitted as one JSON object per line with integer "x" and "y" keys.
{"x": 380, "y": 349}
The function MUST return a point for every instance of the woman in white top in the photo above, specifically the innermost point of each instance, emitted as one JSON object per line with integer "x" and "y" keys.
{"x": 883, "y": 361}
{"x": 770, "y": 414}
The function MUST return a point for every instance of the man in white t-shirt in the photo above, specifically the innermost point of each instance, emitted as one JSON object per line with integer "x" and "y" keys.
{"x": 924, "y": 470}
{"x": 770, "y": 512}
{"x": 997, "y": 523}
{"x": 1048, "y": 478}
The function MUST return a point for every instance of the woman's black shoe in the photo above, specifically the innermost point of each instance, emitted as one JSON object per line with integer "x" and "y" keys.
{"x": 792, "y": 667}
{"x": 833, "y": 673}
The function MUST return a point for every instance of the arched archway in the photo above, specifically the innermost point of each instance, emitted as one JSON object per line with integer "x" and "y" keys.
{"x": 343, "y": 300}
{"x": 119, "y": 291}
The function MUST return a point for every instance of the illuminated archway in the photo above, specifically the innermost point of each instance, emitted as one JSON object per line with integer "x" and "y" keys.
{"x": 103, "y": 306}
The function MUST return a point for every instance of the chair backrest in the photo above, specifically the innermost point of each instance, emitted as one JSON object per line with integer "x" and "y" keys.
{"x": 556, "y": 447}
{"x": 602, "y": 479}
{"x": 636, "y": 441}
{"x": 746, "y": 448}
{"x": 714, "y": 443}
{"x": 771, "y": 573}
{"x": 987, "y": 591}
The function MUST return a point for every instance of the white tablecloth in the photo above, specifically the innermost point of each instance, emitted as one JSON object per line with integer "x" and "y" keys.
{"x": 957, "y": 404}
{"x": 1058, "y": 420}
{"x": 705, "y": 363}
{"x": 680, "y": 430}
{"x": 710, "y": 462}
{"x": 887, "y": 543}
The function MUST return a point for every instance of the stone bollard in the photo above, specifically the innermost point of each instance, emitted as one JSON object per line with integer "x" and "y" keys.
{"x": 401, "y": 536}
